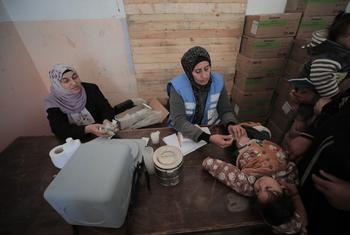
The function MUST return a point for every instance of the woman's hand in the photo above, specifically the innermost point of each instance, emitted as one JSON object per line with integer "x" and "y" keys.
{"x": 236, "y": 131}
{"x": 96, "y": 129}
{"x": 222, "y": 141}
{"x": 337, "y": 191}
{"x": 110, "y": 126}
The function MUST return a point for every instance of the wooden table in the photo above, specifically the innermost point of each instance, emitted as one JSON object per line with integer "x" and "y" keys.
{"x": 198, "y": 203}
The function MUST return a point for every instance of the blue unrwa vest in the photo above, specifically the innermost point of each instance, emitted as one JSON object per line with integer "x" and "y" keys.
{"x": 183, "y": 87}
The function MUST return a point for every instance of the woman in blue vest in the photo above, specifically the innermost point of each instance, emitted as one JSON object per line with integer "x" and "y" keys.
{"x": 199, "y": 97}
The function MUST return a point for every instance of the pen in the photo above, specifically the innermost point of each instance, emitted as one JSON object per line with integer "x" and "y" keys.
{"x": 147, "y": 106}
{"x": 178, "y": 137}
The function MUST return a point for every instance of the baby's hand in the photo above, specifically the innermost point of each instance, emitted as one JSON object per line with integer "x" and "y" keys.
{"x": 236, "y": 131}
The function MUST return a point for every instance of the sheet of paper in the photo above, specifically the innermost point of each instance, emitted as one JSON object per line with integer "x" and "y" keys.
{"x": 187, "y": 145}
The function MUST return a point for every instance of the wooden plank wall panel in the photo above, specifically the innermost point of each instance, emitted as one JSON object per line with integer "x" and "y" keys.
{"x": 161, "y": 31}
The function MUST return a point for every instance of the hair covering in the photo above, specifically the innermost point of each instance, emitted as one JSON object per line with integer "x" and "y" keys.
{"x": 340, "y": 26}
{"x": 189, "y": 60}
{"x": 60, "y": 97}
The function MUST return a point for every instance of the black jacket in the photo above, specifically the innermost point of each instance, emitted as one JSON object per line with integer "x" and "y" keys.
{"x": 330, "y": 152}
{"x": 96, "y": 104}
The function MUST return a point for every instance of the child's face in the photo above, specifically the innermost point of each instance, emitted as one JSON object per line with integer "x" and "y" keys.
{"x": 344, "y": 39}
{"x": 264, "y": 185}
{"x": 304, "y": 96}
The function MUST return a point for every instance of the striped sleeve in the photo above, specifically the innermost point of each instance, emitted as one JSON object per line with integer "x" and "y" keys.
{"x": 318, "y": 37}
{"x": 323, "y": 76}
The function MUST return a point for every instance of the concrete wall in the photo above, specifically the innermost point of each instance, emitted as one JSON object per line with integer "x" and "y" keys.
{"x": 21, "y": 89}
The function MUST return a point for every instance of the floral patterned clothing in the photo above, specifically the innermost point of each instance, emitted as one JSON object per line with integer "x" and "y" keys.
{"x": 256, "y": 159}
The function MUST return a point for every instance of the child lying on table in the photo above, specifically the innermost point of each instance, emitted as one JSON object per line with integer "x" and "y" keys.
{"x": 263, "y": 171}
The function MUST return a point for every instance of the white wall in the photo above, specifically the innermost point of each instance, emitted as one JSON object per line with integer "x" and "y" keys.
{"x": 91, "y": 35}
{"x": 255, "y": 7}
{"x": 21, "y": 90}
{"x": 37, "y": 10}
{"x": 4, "y": 16}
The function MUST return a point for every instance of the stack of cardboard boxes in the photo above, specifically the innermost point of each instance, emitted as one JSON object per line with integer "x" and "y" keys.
{"x": 265, "y": 46}
{"x": 316, "y": 15}
{"x": 284, "y": 106}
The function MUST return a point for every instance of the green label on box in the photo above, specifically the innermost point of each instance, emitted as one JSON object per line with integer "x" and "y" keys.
{"x": 267, "y": 45}
{"x": 273, "y": 23}
{"x": 321, "y": 1}
{"x": 317, "y": 24}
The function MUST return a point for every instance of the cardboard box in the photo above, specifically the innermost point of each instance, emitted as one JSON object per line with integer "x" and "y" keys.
{"x": 153, "y": 104}
{"x": 261, "y": 99}
{"x": 284, "y": 108}
{"x": 279, "y": 118}
{"x": 248, "y": 111}
{"x": 293, "y": 69}
{"x": 299, "y": 51}
{"x": 265, "y": 47}
{"x": 272, "y": 25}
{"x": 310, "y": 24}
{"x": 283, "y": 87}
{"x": 276, "y": 133}
{"x": 255, "y": 67}
{"x": 286, "y": 105}
{"x": 316, "y": 7}
{"x": 251, "y": 118}
{"x": 245, "y": 83}
{"x": 293, "y": 6}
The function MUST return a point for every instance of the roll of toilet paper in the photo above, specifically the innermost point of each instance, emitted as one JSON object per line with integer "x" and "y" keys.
{"x": 58, "y": 156}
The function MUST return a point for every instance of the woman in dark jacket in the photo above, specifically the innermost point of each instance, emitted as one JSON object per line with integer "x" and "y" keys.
{"x": 75, "y": 109}
{"x": 325, "y": 169}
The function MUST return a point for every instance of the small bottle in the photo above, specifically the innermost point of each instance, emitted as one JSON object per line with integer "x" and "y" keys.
{"x": 71, "y": 146}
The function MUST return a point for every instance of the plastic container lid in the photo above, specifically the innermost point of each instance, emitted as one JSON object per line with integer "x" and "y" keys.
{"x": 167, "y": 157}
